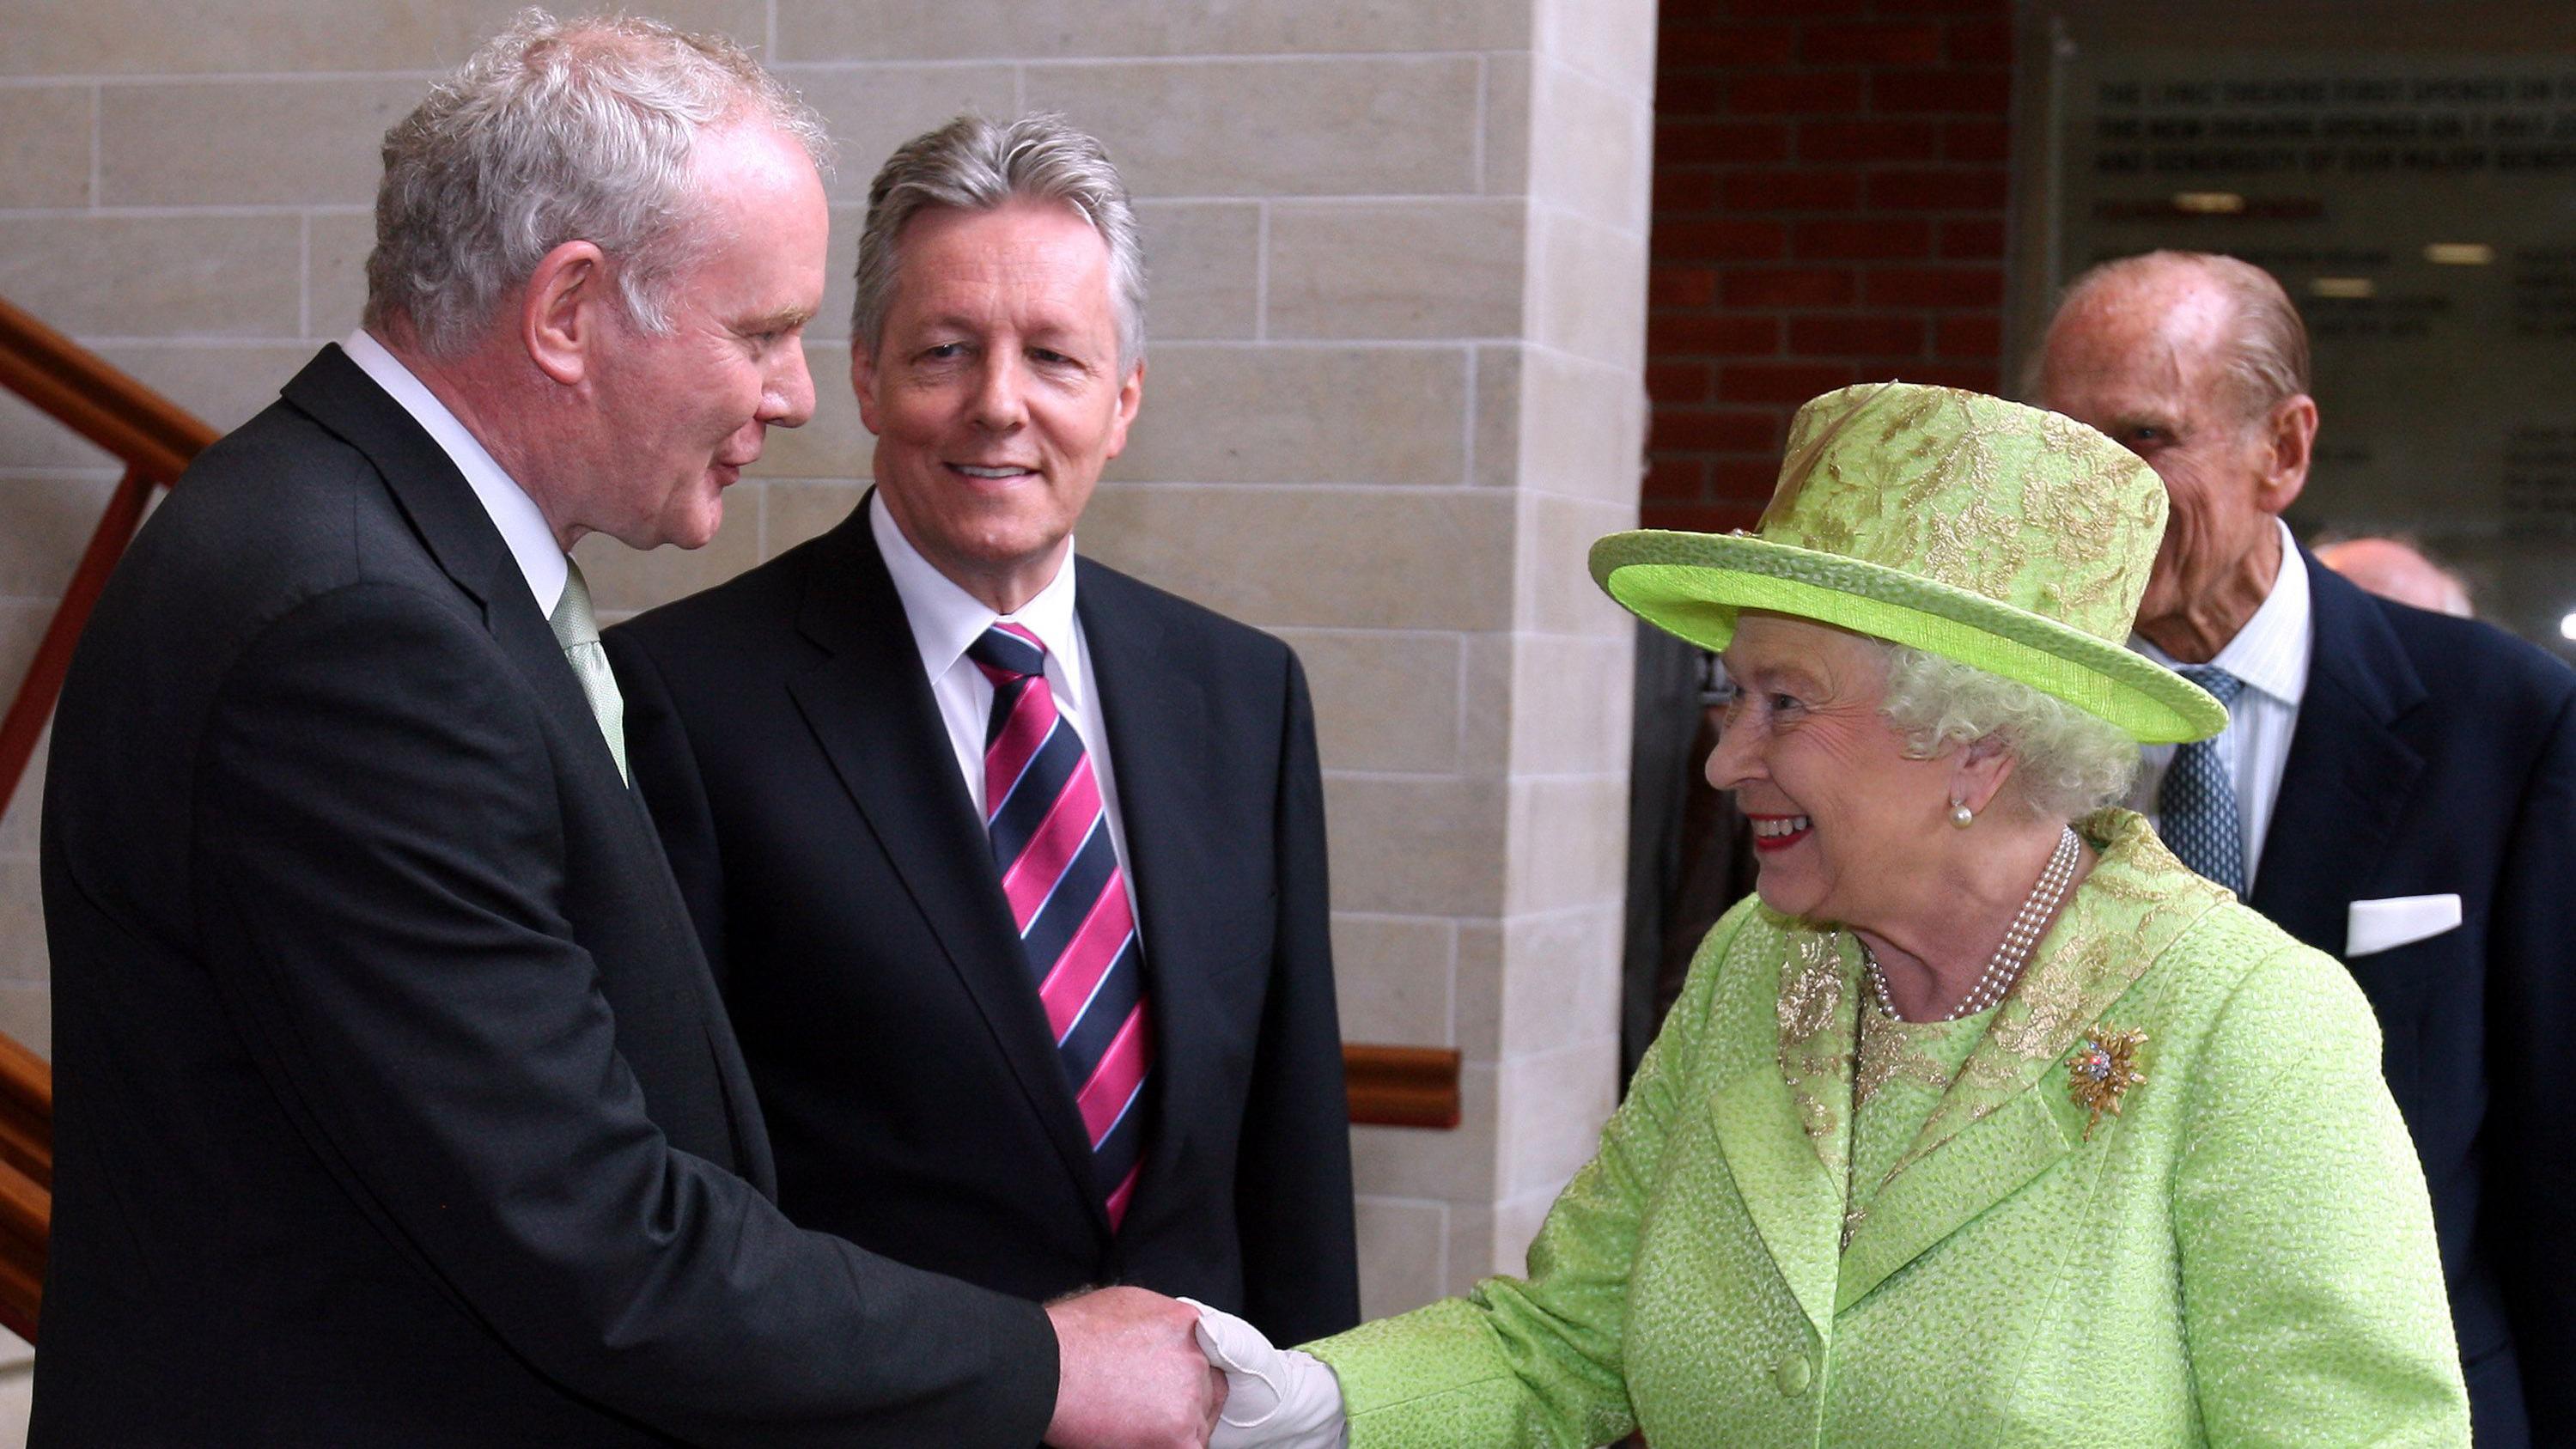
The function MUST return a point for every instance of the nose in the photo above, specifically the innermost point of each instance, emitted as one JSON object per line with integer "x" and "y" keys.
{"x": 787, "y": 396}
{"x": 1000, "y": 403}
{"x": 1736, "y": 759}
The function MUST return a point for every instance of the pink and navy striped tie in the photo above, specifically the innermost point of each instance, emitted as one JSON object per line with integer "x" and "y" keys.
{"x": 1060, "y": 873}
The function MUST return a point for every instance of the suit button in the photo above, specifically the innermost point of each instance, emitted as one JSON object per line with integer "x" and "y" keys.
{"x": 1793, "y": 1375}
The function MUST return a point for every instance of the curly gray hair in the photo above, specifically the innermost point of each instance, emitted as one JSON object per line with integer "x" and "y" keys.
{"x": 2066, "y": 762}
{"x": 558, "y": 131}
{"x": 977, "y": 164}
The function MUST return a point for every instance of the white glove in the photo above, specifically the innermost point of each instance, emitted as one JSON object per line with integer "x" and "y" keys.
{"x": 1275, "y": 1398}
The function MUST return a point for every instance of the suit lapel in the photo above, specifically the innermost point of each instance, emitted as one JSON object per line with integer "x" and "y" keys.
{"x": 2005, "y": 1119}
{"x": 1787, "y": 1134}
{"x": 1169, "y": 820}
{"x": 2348, "y": 772}
{"x": 871, "y": 711}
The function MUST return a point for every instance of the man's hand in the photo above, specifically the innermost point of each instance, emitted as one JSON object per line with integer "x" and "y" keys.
{"x": 1130, "y": 1374}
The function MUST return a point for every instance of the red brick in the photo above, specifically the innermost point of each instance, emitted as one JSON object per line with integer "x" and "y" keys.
{"x": 1976, "y": 141}
{"x": 1981, "y": 42}
{"x": 1722, "y": 240}
{"x": 1873, "y": 336}
{"x": 1786, "y": 287}
{"x": 1671, "y": 335}
{"x": 1700, "y": 517}
{"x": 1789, "y": 9}
{"x": 1780, "y": 382}
{"x": 1716, "y": 430}
{"x": 1676, "y": 478}
{"x": 1856, "y": 239}
{"x": 1978, "y": 92}
{"x": 1981, "y": 189}
{"x": 1973, "y": 239}
{"x": 1795, "y": 93}
{"x": 1719, "y": 46}
{"x": 1994, "y": 8}
{"x": 1681, "y": 287}
{"x": 1934, "y": 287}
{"x": 1692, "y": 95}
{"x": 1756, "y": 142}
{"x": 1687, "y": 188}
{"x": 1678, "y": 382}
{"x": 1868, "y": 141}
{"x": 1961, "y": 339}
{"x": 1749, "y": 480}
{"x": 1918, "y": 44}
{"x": 1985, "y": 377}
{"x": 1785, "y": 190}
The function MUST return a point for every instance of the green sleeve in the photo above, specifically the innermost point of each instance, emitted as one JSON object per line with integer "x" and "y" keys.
{"x": 1537, "y": 1361}
{"x": 2312, "y": 1287}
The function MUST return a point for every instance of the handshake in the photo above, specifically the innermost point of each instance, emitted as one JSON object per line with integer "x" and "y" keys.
{"x": 1138, "y": 1369}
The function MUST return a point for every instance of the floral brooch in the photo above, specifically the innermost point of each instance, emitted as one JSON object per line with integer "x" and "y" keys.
{"x": 2105, "y": 1066}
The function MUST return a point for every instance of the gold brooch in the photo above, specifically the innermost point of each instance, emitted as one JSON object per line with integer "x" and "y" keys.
{"x": 2105, "y": 1065}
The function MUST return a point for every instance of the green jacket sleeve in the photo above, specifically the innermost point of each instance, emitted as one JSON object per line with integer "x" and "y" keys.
{"x": 1537, "y": 1360}
{"x": 2311, "y": 1284}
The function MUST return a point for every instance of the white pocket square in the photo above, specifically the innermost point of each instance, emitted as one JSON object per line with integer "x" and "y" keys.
{"x": 2398, "y": 921}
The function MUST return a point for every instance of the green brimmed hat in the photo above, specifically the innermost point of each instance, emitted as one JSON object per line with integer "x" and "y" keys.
{"x": 1980, "y": 530}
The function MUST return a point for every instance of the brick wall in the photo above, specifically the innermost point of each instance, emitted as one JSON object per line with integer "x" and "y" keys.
{"x": 1831, "y": 180}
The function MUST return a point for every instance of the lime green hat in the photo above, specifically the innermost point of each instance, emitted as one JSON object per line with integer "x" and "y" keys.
{"x": 2015, "y": 540}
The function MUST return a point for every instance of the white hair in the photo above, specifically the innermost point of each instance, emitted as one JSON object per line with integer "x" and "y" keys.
{"x": 560, "y": 131}
{"x": 977, "y": 164}
{"x": 2065, "y": 762}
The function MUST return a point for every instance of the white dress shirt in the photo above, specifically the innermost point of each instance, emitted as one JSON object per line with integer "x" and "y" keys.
{"x": 946, "y": 619}
{"x": 523, "y": 527}
{"x": 2270, "y": 654}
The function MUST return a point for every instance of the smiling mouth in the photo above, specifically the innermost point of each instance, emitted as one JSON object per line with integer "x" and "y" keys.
{"x": 1779, "y": 832}
{"x": 977, "y": 470}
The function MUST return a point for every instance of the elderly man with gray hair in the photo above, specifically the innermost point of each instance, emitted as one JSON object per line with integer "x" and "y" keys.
{"x": 1012, "y": 866}
{"x": 396, "y": 1101}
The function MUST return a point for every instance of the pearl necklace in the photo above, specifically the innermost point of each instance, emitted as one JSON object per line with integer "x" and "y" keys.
{"x": 2014, "y": 952}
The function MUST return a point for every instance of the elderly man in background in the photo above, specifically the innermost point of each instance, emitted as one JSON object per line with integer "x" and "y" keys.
{"x": 2395, "y": 787}
{"x": 2395, "y": 569}
{"x": 1012, "y": 866}
{"x": 397, "y": 1105}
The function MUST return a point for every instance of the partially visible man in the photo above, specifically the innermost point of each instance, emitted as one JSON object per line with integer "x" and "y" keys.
{"x": 2395, "y": 569}
{"x": 2395, "y": 787}
{"x": 1012, "y": 866}
{"x": 396, "y": 1102}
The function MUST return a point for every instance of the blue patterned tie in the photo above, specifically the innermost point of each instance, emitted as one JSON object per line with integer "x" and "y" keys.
{"x": 2196, "y": 805}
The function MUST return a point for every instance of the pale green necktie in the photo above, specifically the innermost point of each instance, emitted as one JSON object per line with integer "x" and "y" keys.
{"x": 577, "y": 630}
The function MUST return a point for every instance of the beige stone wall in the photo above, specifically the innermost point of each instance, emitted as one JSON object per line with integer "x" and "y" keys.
{"x": 1398, "y": 257}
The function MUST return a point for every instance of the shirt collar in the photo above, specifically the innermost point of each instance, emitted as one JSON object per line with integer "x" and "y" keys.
{"x": 2270, "y": 653}
{"x": 523, "y": 527}
{"x": 946, "y": 619}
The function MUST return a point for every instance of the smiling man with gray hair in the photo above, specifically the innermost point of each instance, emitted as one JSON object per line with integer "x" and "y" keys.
{"x": 1012, "y": 865}
{"x": 396, "y": 1101}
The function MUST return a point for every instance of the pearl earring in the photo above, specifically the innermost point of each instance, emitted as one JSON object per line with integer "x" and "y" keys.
{"x": 1961, "y": 816}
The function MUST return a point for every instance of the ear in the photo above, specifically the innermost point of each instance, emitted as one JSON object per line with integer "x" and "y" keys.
{"x": 1131, "y": 395}
{"x": 1978, "y": 771}
{"x": 2289, "y": 442}
{"x": 563, "y": 311}
{"x": 863, "y": 381}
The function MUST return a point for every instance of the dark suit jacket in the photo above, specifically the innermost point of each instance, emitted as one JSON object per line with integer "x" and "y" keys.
{"x": 395, "y": 1102}
{"x": 2438, "y": 755}
{"x": 785, "y": 736}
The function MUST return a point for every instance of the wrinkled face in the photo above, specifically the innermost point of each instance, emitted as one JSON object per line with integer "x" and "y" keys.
{"x": 2138, "y": 362}
{"x": 995, "y": 391}
{"x": 680, "y": 416}
{"x": 1840, "y": 813}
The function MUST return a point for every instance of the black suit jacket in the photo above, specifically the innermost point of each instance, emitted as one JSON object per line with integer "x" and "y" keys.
{"x": 2437, "y": 755}
{"x": 395, "y": 1103}
{"x": 786, "y": 738}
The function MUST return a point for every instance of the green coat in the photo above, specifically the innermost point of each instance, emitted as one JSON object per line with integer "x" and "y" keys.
{"x": 2242, "y": 1254}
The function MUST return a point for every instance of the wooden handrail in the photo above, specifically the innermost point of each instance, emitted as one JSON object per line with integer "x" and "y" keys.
{"x": 89, "y": 395}
{"x": 1401, "y": 1086}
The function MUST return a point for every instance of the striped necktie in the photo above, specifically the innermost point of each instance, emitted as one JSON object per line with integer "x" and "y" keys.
{"x": 1050, "y": 836}
{"x": 2196, "y": 805}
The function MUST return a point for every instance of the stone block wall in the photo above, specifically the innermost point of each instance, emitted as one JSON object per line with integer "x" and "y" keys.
{"x": 1398, "y": 256}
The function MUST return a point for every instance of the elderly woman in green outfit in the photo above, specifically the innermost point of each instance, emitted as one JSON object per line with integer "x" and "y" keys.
{"x": 1986, "y": 1122}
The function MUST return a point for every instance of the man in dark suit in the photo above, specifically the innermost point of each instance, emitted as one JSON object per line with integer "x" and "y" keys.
{"x": 1011, "y": 866}
{"x": 396, "y": 1102}
{"x": 2395, "y": 787}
